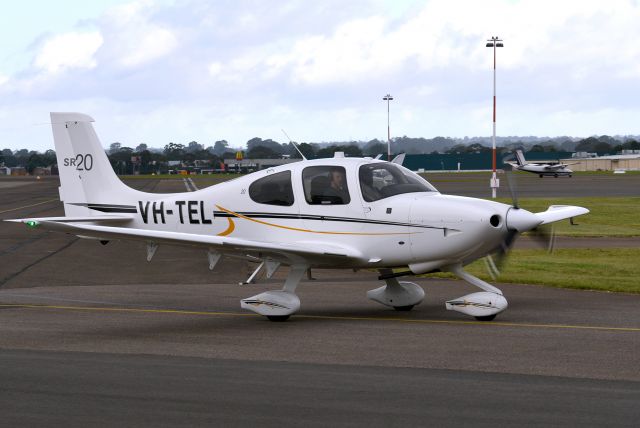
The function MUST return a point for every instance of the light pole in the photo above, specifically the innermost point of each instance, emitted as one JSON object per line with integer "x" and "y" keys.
{"x": 494, "y": 43}
{"x": 388, "y": 98}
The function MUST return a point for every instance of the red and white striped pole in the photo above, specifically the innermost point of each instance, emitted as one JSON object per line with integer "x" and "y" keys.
{"x": 494, "y": 43}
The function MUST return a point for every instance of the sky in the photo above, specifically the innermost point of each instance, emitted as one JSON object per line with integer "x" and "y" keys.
{"x": 160, "y": 71}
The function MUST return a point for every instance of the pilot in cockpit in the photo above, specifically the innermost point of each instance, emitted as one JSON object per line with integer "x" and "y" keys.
{"x": 337, "y": 189}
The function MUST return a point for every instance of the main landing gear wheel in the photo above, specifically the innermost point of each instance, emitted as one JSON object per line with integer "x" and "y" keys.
{"x": 486, "y": 317}
{"x": 401, "y": 296}
{"x": 277, "y": 305}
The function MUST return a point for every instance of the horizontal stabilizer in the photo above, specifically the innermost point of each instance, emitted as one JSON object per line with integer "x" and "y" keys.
{"x": 85, "y": 219}
{"x": 560, "y": 212}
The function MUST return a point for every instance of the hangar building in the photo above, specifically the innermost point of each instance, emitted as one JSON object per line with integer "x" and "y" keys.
{"x": 628, "y": 162}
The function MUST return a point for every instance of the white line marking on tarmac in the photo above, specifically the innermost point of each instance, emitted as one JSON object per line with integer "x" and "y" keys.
{"x": 186, "y": 184}
{"x": 189, "y": 184}
{"x": 29, "y": 206}
{"x": 193, "y": 185}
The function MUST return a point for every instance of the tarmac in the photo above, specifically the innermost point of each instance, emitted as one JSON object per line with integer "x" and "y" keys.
{"x": 95, "y": 335}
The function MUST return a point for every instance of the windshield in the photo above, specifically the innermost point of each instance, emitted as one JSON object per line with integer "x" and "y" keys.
{"x": 383, "y": 179}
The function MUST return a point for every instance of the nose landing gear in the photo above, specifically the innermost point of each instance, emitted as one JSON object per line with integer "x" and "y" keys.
{"x": 483, "y": 305}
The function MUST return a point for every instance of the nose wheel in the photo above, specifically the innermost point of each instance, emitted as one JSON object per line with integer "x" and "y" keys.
{"x": 483, "y": 305}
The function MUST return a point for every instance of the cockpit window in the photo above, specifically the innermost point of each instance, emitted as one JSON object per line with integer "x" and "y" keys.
{"x": 383, "y": 179}
{"x": 274, "y": 189}
{"x": 325, "y": 185}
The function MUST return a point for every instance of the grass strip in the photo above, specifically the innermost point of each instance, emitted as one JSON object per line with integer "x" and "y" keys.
{"x": 604, "y": 269}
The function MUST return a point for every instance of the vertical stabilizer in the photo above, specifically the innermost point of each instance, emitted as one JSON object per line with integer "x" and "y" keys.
{"x": 86, "y": 176}
{"x": 520, "y": 158}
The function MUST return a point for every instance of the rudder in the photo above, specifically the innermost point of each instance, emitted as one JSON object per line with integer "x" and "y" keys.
{"x": 86, "y": 176}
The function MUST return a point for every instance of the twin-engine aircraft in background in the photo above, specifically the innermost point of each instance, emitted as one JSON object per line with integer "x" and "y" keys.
{"x": 554, "y": 169}
{"x": 351, "y": 213}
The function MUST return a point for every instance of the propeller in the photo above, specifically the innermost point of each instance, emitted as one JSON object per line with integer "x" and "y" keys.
{"x": 544, "y": 235}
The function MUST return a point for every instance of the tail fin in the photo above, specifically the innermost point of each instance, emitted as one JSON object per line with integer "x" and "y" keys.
{"x": 87, "y": 180}
{"x": 520, "y": 158}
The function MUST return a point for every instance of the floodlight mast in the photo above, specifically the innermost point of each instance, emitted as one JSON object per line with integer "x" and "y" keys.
{"x": 494, "y": 43}
{"x": 388, "y": 98}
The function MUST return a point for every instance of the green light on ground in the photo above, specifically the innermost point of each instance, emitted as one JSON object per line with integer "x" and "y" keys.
{"x": 32, "y": 223}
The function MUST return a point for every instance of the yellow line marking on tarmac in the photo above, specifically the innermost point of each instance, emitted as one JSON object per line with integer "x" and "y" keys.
{"x": 324, "y": 317}
{"x": 29, "y": 206}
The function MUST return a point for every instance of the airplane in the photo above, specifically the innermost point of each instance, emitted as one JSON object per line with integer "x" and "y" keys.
{"x": 349, "y": 213}
{"x": 542, "y": 169}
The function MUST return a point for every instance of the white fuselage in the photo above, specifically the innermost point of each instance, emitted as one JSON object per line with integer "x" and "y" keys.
{"x": 545, "y": 169}
{"x": 425, "y": 230}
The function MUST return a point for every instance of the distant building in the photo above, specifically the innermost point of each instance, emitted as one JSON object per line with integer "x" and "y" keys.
{"x": 5, "y": 170}
{"x": 250, "y": 165}
{"x": 627, "y": 162}
{"x": 18, "y": 171}
{"x": 41, "y": 171}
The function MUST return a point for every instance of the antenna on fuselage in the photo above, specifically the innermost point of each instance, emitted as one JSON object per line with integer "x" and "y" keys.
{"x": 294, "y": 144}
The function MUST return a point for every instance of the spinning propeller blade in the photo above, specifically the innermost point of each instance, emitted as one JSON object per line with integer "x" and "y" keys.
{"x": 544, "y": 235}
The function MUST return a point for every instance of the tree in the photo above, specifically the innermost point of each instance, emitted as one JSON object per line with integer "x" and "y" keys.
{"x": 114, "y": 147}
{"x": 602, "y": 147}
{"x": 273, "y": 145}
{"x": 219, "y": 147}
{"x": 350, "y": 150}
{"x": 194, "y": 147}
{"x": 472, "y": 148}
{"x": 568, "y": 146}
{"x": 307, "y": 150}
{"x": 49, "y": 158}
{"x": 262, "y": 152}
{"x": 631, "y": 145}
{"x": 145, "y": 161}
{"x": 8, "y": 158}
{"x": 35, "y": 160}
{"x": 627, "y": 145}
{"x": 587, "y": 144}
{"x": 174, "y": 151}
{"x": 141, "y": 148}
{"x": 374, "y": 148}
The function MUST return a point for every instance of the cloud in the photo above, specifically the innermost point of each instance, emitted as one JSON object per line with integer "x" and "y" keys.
{"x": 133, "y": 38}
{"x": 69, "y": 50}
{"x": 241, "y": 69}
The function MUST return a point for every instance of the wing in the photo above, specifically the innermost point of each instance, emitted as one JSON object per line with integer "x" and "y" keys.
{"x": 560, "y": 212}
{"x": 100, "y": 228}
{"x": 554, "y": 167}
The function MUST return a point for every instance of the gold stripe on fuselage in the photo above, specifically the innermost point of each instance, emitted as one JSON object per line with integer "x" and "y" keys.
{"x": 297, "y": 229}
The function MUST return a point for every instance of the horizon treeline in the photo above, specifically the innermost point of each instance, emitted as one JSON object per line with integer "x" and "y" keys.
{"x": 146, "y": 159}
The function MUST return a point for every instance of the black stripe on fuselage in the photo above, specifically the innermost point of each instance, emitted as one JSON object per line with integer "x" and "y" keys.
{"x": 109, "y": 208}
{"x": 322, "y": 218}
